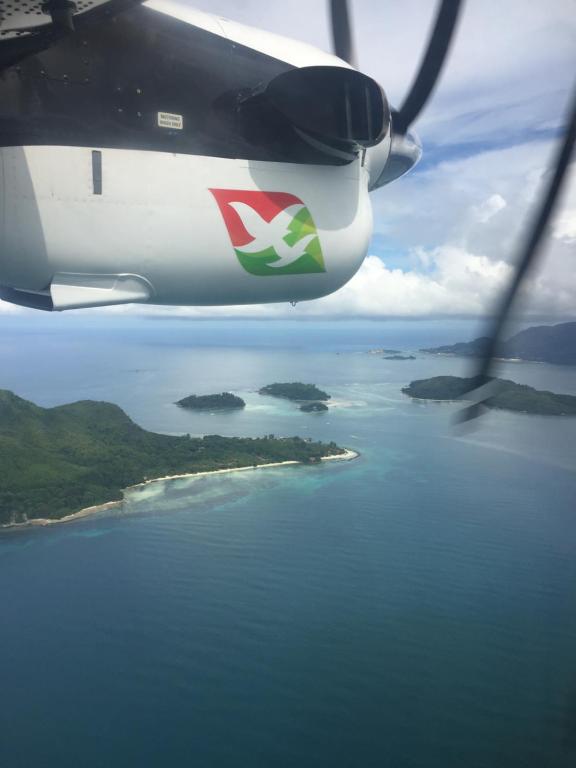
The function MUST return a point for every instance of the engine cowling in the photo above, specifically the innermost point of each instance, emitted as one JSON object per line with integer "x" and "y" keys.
{"x": 176, "y": 229}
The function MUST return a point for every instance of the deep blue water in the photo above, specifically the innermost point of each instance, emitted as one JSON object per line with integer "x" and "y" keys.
{"x": 413, "y": 608}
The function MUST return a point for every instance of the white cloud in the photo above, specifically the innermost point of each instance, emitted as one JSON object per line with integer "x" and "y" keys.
{"x": 483, "y": 205}
{"x": 454, "y": 282}
{"x": 7, "y": 308}
{"x": 489, "y": 208}
{"x": 442, "y": 204}
{"x": 565, "y": 227}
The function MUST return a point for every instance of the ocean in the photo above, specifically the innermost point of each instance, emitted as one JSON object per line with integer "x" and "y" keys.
{"x": 413, "y": 608}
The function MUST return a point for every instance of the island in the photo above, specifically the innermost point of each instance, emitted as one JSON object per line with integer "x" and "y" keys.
{"x": 314, "y": 407}
{"x": 68, "y": 460}
{"x": 508, "y": 395}
{"x": 224, "y": 402}
{"x": 295, "y": 391}
{"x": 543, "y": 343}
{"x": 384, "y": 351}
{"x": 399, "y": 357}
{"x": 475, "y": 348}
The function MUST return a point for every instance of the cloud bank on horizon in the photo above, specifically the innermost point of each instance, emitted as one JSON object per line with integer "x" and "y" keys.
{"x": 445, "y": 235}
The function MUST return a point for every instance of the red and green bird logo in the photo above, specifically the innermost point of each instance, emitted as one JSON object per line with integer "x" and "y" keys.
{"x": 273, "y": 233}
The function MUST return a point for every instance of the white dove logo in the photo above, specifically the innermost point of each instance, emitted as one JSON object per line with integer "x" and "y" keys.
{"x": 272, "y": 234}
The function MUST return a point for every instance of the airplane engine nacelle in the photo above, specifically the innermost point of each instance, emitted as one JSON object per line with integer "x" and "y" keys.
{"x": 88, "y": 227}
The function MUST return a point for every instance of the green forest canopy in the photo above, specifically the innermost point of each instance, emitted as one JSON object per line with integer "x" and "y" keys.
{"x": 295, "y": 390}
{"x": 224, "y": 401}
{"x": 56, "y": 461}
{"x": 508, "y": 395}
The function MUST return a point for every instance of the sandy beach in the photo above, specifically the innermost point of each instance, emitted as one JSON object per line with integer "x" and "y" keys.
{"x": 348, "y": 455}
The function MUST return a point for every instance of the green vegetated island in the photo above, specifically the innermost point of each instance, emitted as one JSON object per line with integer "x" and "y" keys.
{"x": 57, "y": 461}
{"x": 399, "y": 357}
{"x": 295, "y": 390}
{"x": 508, "y": 395}
{"x": 225, "y": 401}
{"x": 311, "y": 398}
{"x": 543, "y": 343}
{"x": 314, "y": 407}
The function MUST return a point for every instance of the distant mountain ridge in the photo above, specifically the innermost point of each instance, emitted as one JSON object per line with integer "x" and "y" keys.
{"x": 543, "y": 343}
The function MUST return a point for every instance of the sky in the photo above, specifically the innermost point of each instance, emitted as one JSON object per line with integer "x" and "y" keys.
{"x": 446, "y": 234}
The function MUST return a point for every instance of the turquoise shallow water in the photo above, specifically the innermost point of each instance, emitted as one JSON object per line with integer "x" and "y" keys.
{"x": 416, "y": 607}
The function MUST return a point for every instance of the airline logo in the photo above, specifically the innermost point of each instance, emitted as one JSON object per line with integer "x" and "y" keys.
{"x": 272, "y": 233}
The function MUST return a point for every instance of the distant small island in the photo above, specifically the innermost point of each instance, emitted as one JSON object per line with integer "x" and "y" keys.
{"x": 508, "y": 396}
{"x": 314, "y": 407}
{"x": 295, "y": 390}
{"x": 76, "y": 459}
{"x": 399, "y": 357}
{"x": 384, "y": 351}
{"x": 543, "y": 343}
{"x": 223, "y": 402}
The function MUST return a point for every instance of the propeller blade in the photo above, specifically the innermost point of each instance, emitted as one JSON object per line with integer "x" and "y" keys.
{"x": 342, "y": 42}
{"x": 431, "y": 66}
{"x": 528, "y": 255}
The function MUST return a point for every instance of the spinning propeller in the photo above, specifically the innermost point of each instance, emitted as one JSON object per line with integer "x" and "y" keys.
{"x": 430, "y": 68}
{"x": 529, "y": 252}
{"x": 422, "y": 87}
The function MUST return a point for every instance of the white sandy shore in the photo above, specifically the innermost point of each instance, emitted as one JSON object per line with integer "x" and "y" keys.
{"x": 89, "y": 511}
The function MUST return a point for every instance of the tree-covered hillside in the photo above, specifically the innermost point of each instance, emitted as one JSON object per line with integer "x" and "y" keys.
{"x": 295, "y": 390}
{"x": 508, "y": 395}
{"x": 55, "y": 461}
{"x": 222, "y": 402}
{"x": 313, "y": 407}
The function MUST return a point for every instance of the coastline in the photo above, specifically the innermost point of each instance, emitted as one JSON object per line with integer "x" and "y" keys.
{"x": 497, "y": 359}
{"x": 41, "y": 522}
